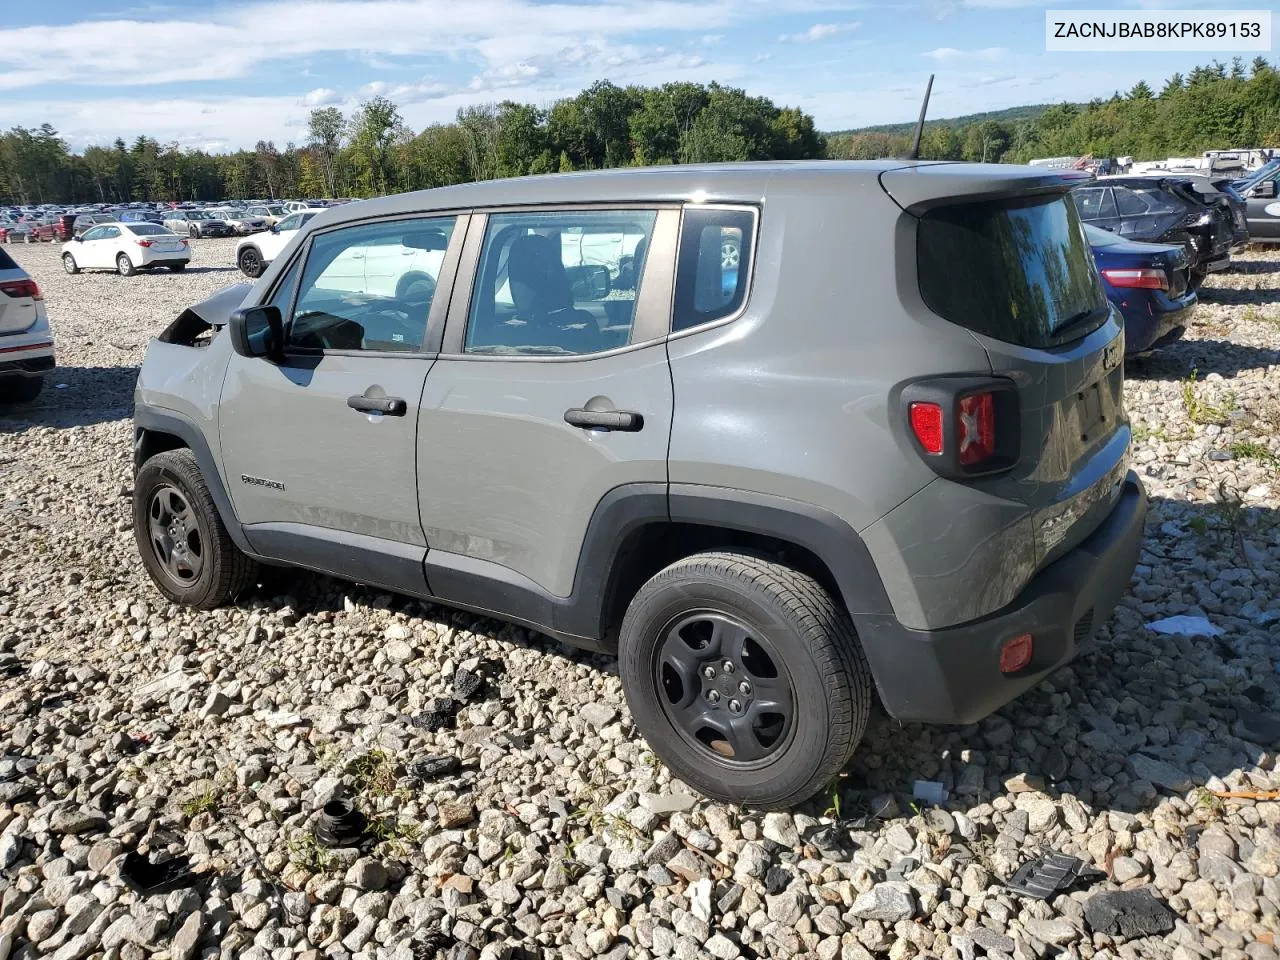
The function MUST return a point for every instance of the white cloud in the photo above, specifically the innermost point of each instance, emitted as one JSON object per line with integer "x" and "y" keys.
{"x": 250, "y": 36}
{"x": 320, "y": 97}
{"x": 951, "y": 54}
{"x": 818, "y": 32}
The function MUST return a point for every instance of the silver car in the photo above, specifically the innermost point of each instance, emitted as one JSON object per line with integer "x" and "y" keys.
{"x": 784, "y": 469}
{"x": 26, "y": 341}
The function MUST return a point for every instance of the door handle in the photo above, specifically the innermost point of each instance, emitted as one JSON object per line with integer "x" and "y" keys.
{"x": 623, "y": 420}
{"x": 391, "y": 406}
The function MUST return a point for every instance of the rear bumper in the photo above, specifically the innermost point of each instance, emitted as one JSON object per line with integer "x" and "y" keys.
{"x": 1151, "y": 323}
{"x": 33, "y": 358}
{"x": 953, "y": 675}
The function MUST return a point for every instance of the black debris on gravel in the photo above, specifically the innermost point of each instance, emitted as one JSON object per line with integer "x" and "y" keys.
{"x": 1127, "y": 914}
{"x": 776, "y": 880}
{"x": 429, "y": 768}
{"x": 467, "y": 684}
{"x": 438, "y": 713}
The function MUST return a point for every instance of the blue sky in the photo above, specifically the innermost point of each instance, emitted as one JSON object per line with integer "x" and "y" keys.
{"x": 220, "y": 74}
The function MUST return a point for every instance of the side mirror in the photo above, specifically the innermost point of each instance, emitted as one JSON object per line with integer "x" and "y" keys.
{"x": 78, "y": 238}
{"x": 1266, "y": 190}
{"x": 257, "y": 332}
{"x": 274, "y": 228}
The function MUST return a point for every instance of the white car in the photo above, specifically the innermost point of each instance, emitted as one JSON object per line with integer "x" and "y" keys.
{"x": 26, "y": 341}
{"x": 253, "y": 254}
{"x": 126, "y": 248}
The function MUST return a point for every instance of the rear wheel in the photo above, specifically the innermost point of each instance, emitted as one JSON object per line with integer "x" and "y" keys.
{"x": 20, "y": 389}
{"x": 184, "y": 544}
{"x": 250, "y": 262}
{"x": 69, "y": 264}
{"x": 125, "y": 266}
{"x": 745, "y": 677}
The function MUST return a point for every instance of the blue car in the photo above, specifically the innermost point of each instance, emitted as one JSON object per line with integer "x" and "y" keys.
{"x": 1150, "y": 285}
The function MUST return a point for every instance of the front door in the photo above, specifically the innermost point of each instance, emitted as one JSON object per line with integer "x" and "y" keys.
{"x": 319, "y": 449}
{"x": 552, "y": 389}
{"x": 1262, "y": 209}
{"x": 100, "y": 247}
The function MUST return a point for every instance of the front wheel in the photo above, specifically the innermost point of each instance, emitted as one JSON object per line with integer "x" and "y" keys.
{"x": 746, "y": 678}
{"x": 180, "y": 535}
{"x": 250, "y": 262}
{"x": 69, "y": 264}
{"x": 193, "y": 231}
{"x": 125, "y": 266}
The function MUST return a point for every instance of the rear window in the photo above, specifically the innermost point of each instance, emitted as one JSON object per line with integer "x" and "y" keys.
{"x": 147, "y": 229}
{"x": 1019, "y": 272}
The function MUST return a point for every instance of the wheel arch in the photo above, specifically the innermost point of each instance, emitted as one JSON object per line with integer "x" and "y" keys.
{"x": 158, "y": 431}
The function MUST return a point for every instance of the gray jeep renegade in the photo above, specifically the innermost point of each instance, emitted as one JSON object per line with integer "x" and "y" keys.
{"x": 786, "y": 437}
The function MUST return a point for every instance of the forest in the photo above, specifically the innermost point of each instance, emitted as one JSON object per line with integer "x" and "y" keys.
{"x": 372, "y": 151}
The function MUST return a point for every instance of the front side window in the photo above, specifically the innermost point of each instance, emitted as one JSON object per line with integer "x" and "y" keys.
{"x": 713, "y": 269}
{"x": 370, "y": 287}
{"x": 289, "y": 223}
{"x": 558, "y": 283}
{"x": 97, "y": 233}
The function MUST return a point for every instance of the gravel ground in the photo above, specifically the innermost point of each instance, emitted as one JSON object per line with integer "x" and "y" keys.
{"x": 127, "y": 722}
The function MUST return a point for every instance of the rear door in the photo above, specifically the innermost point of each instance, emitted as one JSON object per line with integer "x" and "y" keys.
{"x": 542, "y": 400}
{"x": 320, "y": 449}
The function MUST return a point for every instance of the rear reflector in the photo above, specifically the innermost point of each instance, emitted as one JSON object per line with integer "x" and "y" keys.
{"x": 977, "y": 415}
{"x": 1016, "y": 653}
{"x": 1138, "y": 279}
{"x": 22, "y": 288}
{"x": 926, "y": 424}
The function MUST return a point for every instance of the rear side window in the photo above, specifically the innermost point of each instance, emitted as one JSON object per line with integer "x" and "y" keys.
{"x": 1020, "y": 272}
{"x": 714, "y": 267}
{"x": 1094, "y": 203}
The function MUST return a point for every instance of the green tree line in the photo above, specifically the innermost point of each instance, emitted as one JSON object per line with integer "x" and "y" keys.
{"x": 1213, "y": 107}
{"x": 373, "y": 151}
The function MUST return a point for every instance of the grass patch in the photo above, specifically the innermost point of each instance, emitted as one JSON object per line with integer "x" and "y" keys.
{"x": 306, "y": 851}
{"x": 374, "y": 773}
{"x": 1252, "y": 450}
{"x": 203, "y": 802}
{"x": 1201, "y": 411}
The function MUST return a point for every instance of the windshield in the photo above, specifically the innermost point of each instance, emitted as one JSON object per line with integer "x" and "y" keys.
{"x": 1020, "y": 272}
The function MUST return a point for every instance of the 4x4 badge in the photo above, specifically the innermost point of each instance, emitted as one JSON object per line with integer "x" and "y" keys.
{"x": 261, "y": 482}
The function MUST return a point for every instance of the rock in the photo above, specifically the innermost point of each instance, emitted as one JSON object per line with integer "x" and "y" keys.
{"x": 75, "y": 822}
{"x": 367, "y": 874}
{"x": 217, "y": 704}
{"x": 399, "y": 651}
{"x": 1056, "y": 932}
{"x": 598, "y": 714}
{"x": 454, "y": 815}
{"x": 1024, "y": 783}
{"x": 433, "y": 767}
{"x": 1041, "y": 811}
{"x": 1160, "y": 773}
{"x": 722, "y": 948}
{"x": 1125, "y": 869}
{"x": 776, "y": 879}
{"x": 991, "y": 941}
{"x": 974, "y": 881}
{"x": 665, "y": 804}
{"x": 1128, "y": 914}
{"x": 900, "y": 838}
{"x": 781, "y": 829}
{"x": 785, "y": 908}
{"x": 887, "y": 901}
{"x": 600, "y": 940}
{"x": 466, "y": 684}
{"x": 10, "y": 850}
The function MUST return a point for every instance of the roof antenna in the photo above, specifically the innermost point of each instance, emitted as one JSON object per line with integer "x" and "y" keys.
{"x": 914, "y": 153}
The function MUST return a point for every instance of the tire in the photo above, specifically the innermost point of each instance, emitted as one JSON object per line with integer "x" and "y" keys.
{"x": 250, "y": 263}
{"x": 124, "y": 266}
{"x": 69, "y": 264}
{"x": 193, "y": 231}
{"x": 177, "y": 267}
{"x": 798, "y": 643}
{"x": 26, "y": 238}
{"x": 172, "y": 508}
{"x": 20, "y": 389}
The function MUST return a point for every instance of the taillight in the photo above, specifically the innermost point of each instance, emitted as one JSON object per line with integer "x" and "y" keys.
{"x": 926, "y": 424}
{"x": 963, "y": 426}
{"x": 144, "y": 243}
{"x": 183, "y": 242}
{"x": 976, "y": 414}
{"x": 22, "y": 288}
{"x": 1144, "y": 279}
